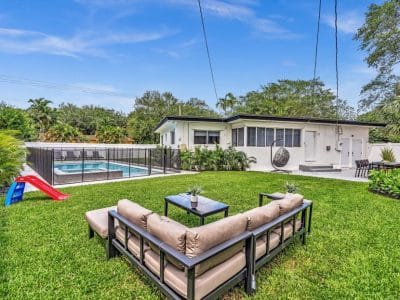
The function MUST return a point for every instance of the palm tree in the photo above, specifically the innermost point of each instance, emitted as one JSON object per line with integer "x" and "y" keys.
{"x": 229, "y": 101}
{"x": 41, "y": 113}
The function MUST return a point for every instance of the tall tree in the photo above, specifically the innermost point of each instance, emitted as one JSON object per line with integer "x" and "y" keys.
{"x": 227, "y": 103}
{"x": 18, "y": 120}
{"x": 41, "y": 112}
{"x": 154, "y": 106}
{"x": 380, "y": 38}
{"x": 295, "y": 98}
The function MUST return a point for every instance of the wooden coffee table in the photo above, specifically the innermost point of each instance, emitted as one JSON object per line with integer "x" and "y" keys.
{"x": 205, "y": 207}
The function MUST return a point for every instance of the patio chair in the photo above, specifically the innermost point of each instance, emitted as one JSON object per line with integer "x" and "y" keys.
{"x": 59, "y": 155}
{"x": 72, "y": 155}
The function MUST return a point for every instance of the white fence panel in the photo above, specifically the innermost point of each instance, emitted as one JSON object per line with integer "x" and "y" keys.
{"x": 375, "y": 150}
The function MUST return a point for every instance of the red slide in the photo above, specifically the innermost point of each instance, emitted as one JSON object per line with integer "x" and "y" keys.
{"x": 43, "y": 186}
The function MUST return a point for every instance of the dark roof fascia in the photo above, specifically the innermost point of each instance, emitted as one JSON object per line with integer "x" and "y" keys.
{"x": 302, "y": 120}
{"x": 267, "y": 118}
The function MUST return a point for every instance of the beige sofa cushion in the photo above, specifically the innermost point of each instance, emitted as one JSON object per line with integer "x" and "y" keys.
{"x": 98, "y": 220}
{"x": 208, "y": 281}
{"x": 289, "y": 203}
{"x": 203, "y": 238}
{"x": 259, "y": 216}
{"x": 170, "y": 232}
{"x": 133, "y": 212}
{"x": 261, "y": 244}
{"x": 288, "y": 229}
{"x": 133, "y": 241}
{"x": 200, "y": 239}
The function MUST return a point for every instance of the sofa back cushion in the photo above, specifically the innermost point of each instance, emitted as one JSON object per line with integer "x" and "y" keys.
{"x": 289, "y": 203}
{"x": 203, "y": 238}
{"x": 170, "y": 232}
{"x": 259, "y": 216}
{"x": 133, "y": 212}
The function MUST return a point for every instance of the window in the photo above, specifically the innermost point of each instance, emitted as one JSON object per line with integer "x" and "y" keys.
{"x": 200, "y": 137}
{"x": 172, "y": 137}
{"x": 213, "y": 137}
{"x": 279, "y": 137}
{"x": 269, "y": 136}
{"x": 234, "y": 137}
{"x": 260, "y": 137}
{"x": 251, "y": 136}
{"x": 288, "y": 137}
{"x": 240, "y": 137}
{"x": 165, "y": 139}
{"x": 203, "y": 137}
{"x": 161, "y": 140}
{"x": 296, "y": 137}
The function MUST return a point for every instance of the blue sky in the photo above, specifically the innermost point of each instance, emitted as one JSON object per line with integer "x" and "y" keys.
{"x": 107, "y": 52}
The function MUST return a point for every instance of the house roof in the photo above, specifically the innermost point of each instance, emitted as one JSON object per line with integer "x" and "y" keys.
{"x": 267, "y": 118}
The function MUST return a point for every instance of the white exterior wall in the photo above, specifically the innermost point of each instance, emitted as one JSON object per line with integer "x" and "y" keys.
{"x": 325, "y": 136}
{"x": 375, "y": 151}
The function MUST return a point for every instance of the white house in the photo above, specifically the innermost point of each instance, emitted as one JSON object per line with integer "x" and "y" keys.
{"x": 310, "y": 141}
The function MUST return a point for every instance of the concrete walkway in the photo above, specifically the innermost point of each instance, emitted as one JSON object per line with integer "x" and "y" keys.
{"x": 345, "y": 174}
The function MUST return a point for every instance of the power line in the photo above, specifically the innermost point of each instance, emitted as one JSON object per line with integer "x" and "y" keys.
{"x": 317, "y": 41}
{"x": 59, "y": 86}
{"x": 208, "y": 50}
{"x": 336, "y": 60}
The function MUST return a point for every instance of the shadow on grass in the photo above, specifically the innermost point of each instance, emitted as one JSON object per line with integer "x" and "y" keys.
{"x": 3, "y": 251}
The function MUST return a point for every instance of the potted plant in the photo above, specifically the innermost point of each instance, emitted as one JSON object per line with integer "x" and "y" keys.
{"x": 194, "y": 192}
{"x": 291, "y": 188}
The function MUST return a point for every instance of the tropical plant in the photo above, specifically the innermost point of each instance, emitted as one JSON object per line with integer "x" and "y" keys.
{"x": 63, "y": 133}
{"x": 194, "y": 190}
{"x": 12, "y": 157}
{"x": 387, "y": 154}
{"x": 203, "y": 159}
{"x": 43, "y": 115}
{"x": 385, "y": 182}
{"x": 228, "y": 102}
{"x": 291, "y": 187}
{"x": 110, "y": 135}
{"x": 16, "y": 119}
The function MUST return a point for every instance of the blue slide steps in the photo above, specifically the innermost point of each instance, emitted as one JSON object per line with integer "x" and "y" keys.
{"x": 15, "y": 193}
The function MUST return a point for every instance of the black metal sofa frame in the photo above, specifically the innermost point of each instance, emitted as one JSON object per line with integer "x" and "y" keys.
{"x": 115, "y": 247}
{"x": 266, "y": 229}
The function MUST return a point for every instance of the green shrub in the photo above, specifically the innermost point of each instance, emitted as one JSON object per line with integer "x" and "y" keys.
{"x": 110, "y": 134}
{"x": 203, "y": 159}
{"x": 386, "y": 182}
{"x": 12, "y": 157}
{"x": 61, "y": 132}
{"x": 387, "y": 154}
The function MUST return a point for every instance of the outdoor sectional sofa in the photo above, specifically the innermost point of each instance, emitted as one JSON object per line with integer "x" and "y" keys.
{"x": 204, "y": 262}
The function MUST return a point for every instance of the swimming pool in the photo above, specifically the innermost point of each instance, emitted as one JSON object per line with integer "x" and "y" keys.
{"x": 98, "y": 167}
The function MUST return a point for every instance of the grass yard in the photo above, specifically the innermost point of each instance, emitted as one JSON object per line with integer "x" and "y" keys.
{"x": 353, "y": 252}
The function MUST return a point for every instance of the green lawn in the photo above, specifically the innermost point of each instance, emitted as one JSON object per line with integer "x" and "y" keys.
{"x": 353, "y": 252}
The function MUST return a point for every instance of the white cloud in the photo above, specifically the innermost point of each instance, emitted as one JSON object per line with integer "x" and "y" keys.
{"x": 242, "y": 11}
{"x": 348, "y": 22}
{"x": 84, "y": 43}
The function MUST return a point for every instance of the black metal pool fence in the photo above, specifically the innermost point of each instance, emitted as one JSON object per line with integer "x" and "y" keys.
{"x": 74, "y": 165}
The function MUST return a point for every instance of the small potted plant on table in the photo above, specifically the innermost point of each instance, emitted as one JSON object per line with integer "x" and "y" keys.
{"x": 194, "y": 193}
{"x": 291, "y": 188}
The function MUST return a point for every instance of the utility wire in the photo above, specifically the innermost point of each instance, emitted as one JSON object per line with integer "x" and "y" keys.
{"x": 317, "y": 41}
{"x": 58, "y": 86}
{"x": 208, "y": 50}
{"x": 336, "y": 60}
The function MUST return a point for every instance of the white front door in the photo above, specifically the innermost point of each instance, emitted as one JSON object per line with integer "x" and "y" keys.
{"x": 357, "y": 152}
{"x": 345, "y": 153}
{"x": 310, "y": 144}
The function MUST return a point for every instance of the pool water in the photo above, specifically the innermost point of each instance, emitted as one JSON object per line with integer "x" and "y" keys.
{"x": 71, "y": 168}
